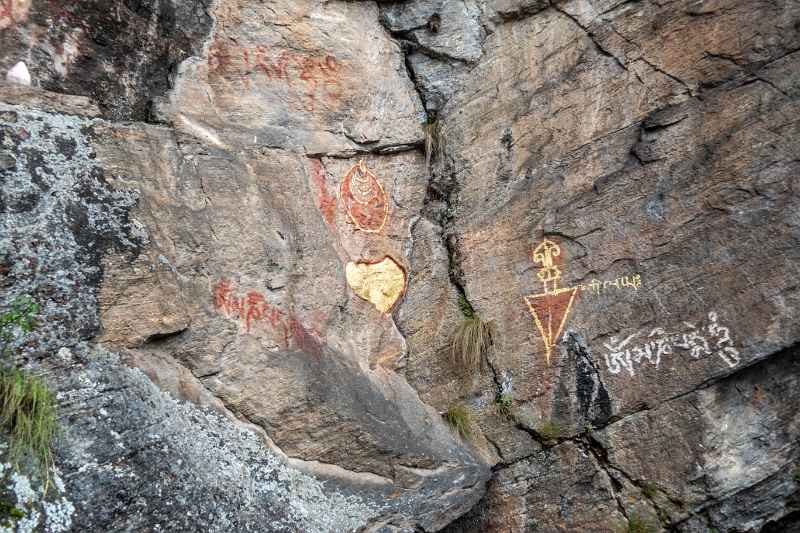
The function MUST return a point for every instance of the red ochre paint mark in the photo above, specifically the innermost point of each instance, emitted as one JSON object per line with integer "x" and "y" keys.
{"x": 327, "y": 201}
{"x": 252, "y": 309}
{"x": 12, "y": 12}
{"x": 550, "y": 312}
{"x": 219, "y": 58}
{"x": 6, "y": 10}
{"x": 272, "y": 68}
{"x": 364, "y": 198}
{"x": 318, "y": 75}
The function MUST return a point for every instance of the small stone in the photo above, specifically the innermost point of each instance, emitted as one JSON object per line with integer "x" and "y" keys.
{"x": 7, "y": 161}
{"x": 19, "y": 74}
{"x": 65, "y": 354}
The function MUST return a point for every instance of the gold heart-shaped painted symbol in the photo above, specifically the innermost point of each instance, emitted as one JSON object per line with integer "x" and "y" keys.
{"x": 382, "y": 283}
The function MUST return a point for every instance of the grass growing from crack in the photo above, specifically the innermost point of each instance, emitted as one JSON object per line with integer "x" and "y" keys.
{"x": 549, "y": 430}
{"x": 650, "y": 490}
{"x": 434, "y": 141}
{"x": 27, "y": 406}
{"x": 471, "y": 340}
{"x": 637, "y": 524}
{"x": 10, "y": 510}
{"x": 28, "y": 413}
{"x": 503, "y": 403}
{"x": 465, "y": 307}
{"x": 20, "y": 317}
{"x": 460, "y": 419}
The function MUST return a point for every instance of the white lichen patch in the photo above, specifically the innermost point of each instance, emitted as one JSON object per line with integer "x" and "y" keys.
{"x": 27, "y": 495}
{"x": 28, "y": 523}
{"x": 22, "y": 488}
{"x": 58, "y": 515}
{"x": 305, "y": 500}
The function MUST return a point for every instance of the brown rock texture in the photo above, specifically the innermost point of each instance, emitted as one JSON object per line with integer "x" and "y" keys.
{"x": 253, "y": 227}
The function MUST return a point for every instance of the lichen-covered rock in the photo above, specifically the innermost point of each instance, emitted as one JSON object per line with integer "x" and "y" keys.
{"x": 60, "y": 217}
{"x": 153, "y": 463}
{"x": 32, "y": 499}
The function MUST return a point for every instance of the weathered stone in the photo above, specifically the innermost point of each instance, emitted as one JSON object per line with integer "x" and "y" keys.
{"x": 641, "y": 177}
{"x": 50, "y": 102}
{"x": 142, "y": 281}
{"x": 511, "y": 9}
{"x": 19, "y": 74}
{"x": 120, "y": 53}
{"x": 735, "y": 439}
{"x": 337, "y": 85}
{"x": 140, "y": 301}
{"x": 217, "y": 476}
{"x": 699, "y": 44}
{"x": 438, "y": 79}
{"x": 60, "y": 218}
{"x": 557, "y": 489}
{"x": 452, "y": 31}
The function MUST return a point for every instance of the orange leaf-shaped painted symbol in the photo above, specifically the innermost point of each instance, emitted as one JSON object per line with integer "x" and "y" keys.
{"x": 364, "y": 198}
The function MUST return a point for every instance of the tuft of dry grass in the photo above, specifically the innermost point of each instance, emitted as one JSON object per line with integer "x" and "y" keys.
{"x": 460, "y": 419}
{"x": 28, "y": 414}
{"x": 637, "y": 524}
{"x": 471, "y": 340}
{"x": 27, "y": 406}
{"x": 549, "y": 430}
{"x": 434, "y": 141}
{"x": 504, "y": 404}
{"x": 650, "y": 490}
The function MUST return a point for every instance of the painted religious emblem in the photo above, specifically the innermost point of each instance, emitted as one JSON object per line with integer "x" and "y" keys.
{"x": 382, "y": 283}
{"x": 364, "y": 198}
{"x": 551, "y": 307}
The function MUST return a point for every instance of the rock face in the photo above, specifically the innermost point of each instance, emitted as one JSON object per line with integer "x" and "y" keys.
{"x": 249, "y": 270}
